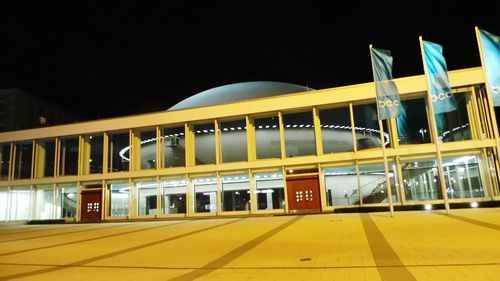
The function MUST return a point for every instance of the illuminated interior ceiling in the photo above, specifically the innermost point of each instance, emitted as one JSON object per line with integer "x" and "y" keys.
{"x": 239, "y": 92}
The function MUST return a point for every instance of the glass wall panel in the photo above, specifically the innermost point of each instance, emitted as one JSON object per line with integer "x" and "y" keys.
{"x": 299, "y": 134}
{"x": 233, "y": 141}
{"x": 174, "y": 147}
{"x": 146, "y": 196}
{"x": 235, "y": 192}
{"x": 463, "y": 177}
{"x": 341, "y": 185}
{"x": 270, "y": 188}
{"x": 4, "y": 196}
{"x": 366, "y": 126}
{"x": 412, "y": 124}
{"x": 205, "y": 190}
{"x": 148, "y": 150}
{"x": 96, "y": 153}
{"x": 5, "y": 161}
{"x": 68, "y": 156}
{"x": 267, "y": 137}
{"x": 22, "y": 169}
{"x": 68, "y": 196}
{"x": 120, "y": 196}
{"x": 174, "y": 196}
{"x": 421, "y": 180}
{"x": 44, "y": 202}
{"x": 49, "y": 147}
{"x": 21, "y": 203}
{"x": 454, "y": 125}
{"x": 118, "y": 152}
{"x": 336, "y": 130}
{"x": 204, "y": 142}
{"x": 373, "y": 183}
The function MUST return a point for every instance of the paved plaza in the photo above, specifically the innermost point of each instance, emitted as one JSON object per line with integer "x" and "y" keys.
{"x": 412, "y": 245}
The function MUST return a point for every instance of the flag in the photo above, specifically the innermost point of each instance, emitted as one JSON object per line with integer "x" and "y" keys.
{"x": 437, "y": 77}
{"x": 388, "y": 103}
{"x": 489, "y": 47}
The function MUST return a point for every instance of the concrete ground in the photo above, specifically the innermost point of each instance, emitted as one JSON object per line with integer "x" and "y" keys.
{"x": 413, "y": 245}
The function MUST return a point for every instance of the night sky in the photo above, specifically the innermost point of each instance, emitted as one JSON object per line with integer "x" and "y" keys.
{"x": 105, "y": 59}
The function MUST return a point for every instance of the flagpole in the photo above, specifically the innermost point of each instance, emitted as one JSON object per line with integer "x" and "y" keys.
{"x": 434, "y": 131}
{"x": 386, "y": 166}
{"x": 489, "y": 96}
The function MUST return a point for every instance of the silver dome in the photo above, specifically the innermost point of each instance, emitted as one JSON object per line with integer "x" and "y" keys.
{"x": 238, "y": 92}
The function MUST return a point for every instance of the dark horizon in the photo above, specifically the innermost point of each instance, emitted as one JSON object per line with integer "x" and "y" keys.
{"x": 103, "y": 60}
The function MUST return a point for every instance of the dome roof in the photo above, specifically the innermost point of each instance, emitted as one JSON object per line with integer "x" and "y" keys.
{"x": 238, "y": 92}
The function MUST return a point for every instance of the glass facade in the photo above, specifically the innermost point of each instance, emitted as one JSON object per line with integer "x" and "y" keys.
{"x": 463, "y": 177}
{"x": 299, "y": 134}
{"x": 341, "y": 184}
{"x": 270, "y": 189}
{"x": 174, "y": 195}
{"x": 118, "y": 152}
{"x": 366, "y": 126}
{"x": 68, "y": 157}
{"x": 119, "y": 199}
{"x": 373, "y": 184}
{"x": 421, "y": 180}
{"x": 235, "y": 192}
{"x": 146, "y": 197}
{"x": 68, "y": 196}
{"x": 336, "y": 130}
{"x": 267, "y": 137}
{"x": 454, "y": 125}
{"x": 44, "y": 203}
{"x": 204, "y": 143}
{"x": 233, "y": 141}
{"x": 148, "y": 150}
{"x": 205, "y": 194}
{"x": 174, "y": 147}
{"x": 95, "y": 145}
{"x": 412, "y": 124}
{"x": 21, "y": 203}
{"x": 22, "y": 168}
{"x": 5, "y": 161}
{"x": 47, "y": 156}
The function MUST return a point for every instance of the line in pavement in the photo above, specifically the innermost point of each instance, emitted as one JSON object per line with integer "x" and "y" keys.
{"x": 472, "y": 221}
{"x": 232, "y": 255}
{"x": 389, "y": 265}
{"x": 88, "y": 239}
{"x": 112, "y": 254}
{"x": 60, "y": 233}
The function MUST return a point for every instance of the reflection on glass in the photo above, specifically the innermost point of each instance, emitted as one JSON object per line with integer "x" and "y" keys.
{"x": 95, "y": 157}
{"x": 22, "y": 169}
{"x": 336, "y": 130}
{"x": 146, "y": 196}
{"x": 463, "y": 177}
{"x": 236, "y": 192}
{"x": 68, "y": 156}
{"x": 174, "y": 196}
{"x": 174, "y": 147}
{"x": 120, "y": 196}
{"x": 267, "y": 137}
{"x": 421, "y": 180}
{"x": 20, "y": 203}
{"x": 204, "y": 142}
{"x": 299, "y": 134}
{"x": 373, "y": 183}
{"x": 341, "y": 185}
{"x": 68, "y": 194}
{"x": 233, "y": 141}
{"x": 412, "y": 124}
{"x": 270, "y": 190}
{"x": 5, "y": 161}
{"x": 148, "y": 150}
{"x": 118, "y": 152}
{"x": 454, "y": 125}
{"x": 366, "y": 126}
{"x": 44, "y": 202}
{"x": 205, "y": 190}
{"x": 4, "y": 197}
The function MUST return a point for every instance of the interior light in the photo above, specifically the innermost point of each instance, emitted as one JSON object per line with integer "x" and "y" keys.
{"x": 428, "y": 207}
{"x": 474, "y": 205}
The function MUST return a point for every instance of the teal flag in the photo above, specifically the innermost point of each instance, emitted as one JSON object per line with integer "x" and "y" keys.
{"x": 388, "y": 103}
{"x": 437, "y": 75}
{"x": 491, "y": 57}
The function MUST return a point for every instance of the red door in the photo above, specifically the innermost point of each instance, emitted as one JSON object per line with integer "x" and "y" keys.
{"x": 303, "y": 195}
{"x": 91, "y": 206}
